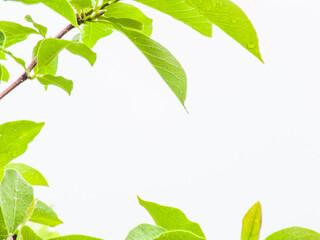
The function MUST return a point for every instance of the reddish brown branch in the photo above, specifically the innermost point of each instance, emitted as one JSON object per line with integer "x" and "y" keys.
{"x": 24, "y": 76}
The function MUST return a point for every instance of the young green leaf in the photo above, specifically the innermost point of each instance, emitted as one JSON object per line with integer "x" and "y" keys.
{"x": 15, "y": 32}
{"x": 171, "y": 218}
{"x": 15, "y": 137}
{"x": 16, "y": 197}
{"x": 93, "y": 31}
{"x": 28, "y": 234}
{"x": 31, "y": 175}
{"x": 64, "y": 8}
{"x": 232, "y": 20}
{"x": 251, "y": 223}
{"x": 294, "y": 233}
{"x": 44, "y": 214}
{"x": 126, "y": 11}
{"x": 61, "y": 82}
{"x": 3, "y": 228}
{"x": 51, "y": 47}
{"x": 74, "y": 237}
{"x": 4, "y": 74}
{"x": 42, "y": 29}
{"x": 162, "y": 60}
{"x": 174, "y": 235}
{"x": 20, "y": 61}
{"x": 183, "y": 12}
{"x": 51, "y": 68}
{"x": 145, "y": 232}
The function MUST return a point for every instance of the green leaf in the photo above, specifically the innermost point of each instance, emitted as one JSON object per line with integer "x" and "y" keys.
{"x": 64, "y": 8}
{"x": 44, "y": 214}
{"x": 162, "y": 60}
{"x": 3, "y": 228}
{"x": 28, "y": 234}
{"x": 15, "y": 32}
{"x": 4, "y": 74}
{"x": 42, "y": 29}
{"x": 29, "y": 212}
{"x": 51, "y": 47}
{"x": 20, "y": 61}
{"x": 145, "y": 232}
{"x": 232, "y": 20}
{"x": 2, "y": 38}
{"x": 251, "y": 223}
{"x": 126, "y": 11}
{"x": 15, "y": 137}
{"x": 31, "y": 175}
{"x": 183, "y": 12}
{"x": 51, "y": 68}
{"x": 16, "y": 197}
{"x": 171, "y": 218}
{"x": 81, "y": 4}
{"x": 294, "y": 233}
{"x": 82, "y": 50}
{"x": 61, "y": 82}
{"x": 75, "y": 237}
{"x": 93, "y": 31}
{"x": 175, "y": 235}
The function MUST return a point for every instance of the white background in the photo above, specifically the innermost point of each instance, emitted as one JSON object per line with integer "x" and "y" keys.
{"x": 252, "y": 134}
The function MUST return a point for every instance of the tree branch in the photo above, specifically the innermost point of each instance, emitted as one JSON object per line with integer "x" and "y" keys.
{"x": 24, "y": 75}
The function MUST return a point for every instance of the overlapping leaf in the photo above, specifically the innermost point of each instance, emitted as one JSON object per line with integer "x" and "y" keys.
{"x": 15, "y": 137}
{"x": 171, "y": 218}
{"x": 28, "y": 234}
{"x": 145, "y": 232}
{"x": 42, "y": 29}
{"x": 49, "y": 69}
{"x": 3, "y": 228}
{"x": 294, "y": 233}
{"x": 44, "y": 214}
{"x": 16, "y": 197}
{"x": 232, "y": 20}
{"x": 251, "y": 223}
{"x": 127, "y": 11}
{"x": 175, "y": 235}
{"x": 93, "y": 31}
{"x": 31, "y": 175}
{"x": 81, "y": 4}
{"x": 182, "y": 11}
{"x": 51, "y": 47}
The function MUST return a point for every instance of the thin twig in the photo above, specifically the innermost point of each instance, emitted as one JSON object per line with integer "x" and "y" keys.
{"x": 24, "y": 76}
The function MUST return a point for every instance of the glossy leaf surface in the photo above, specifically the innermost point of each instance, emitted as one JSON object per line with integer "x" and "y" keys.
{"x": 93, "y": 31}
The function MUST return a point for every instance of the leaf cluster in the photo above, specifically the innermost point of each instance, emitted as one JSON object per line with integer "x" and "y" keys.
{"x": 96, "y": 19}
